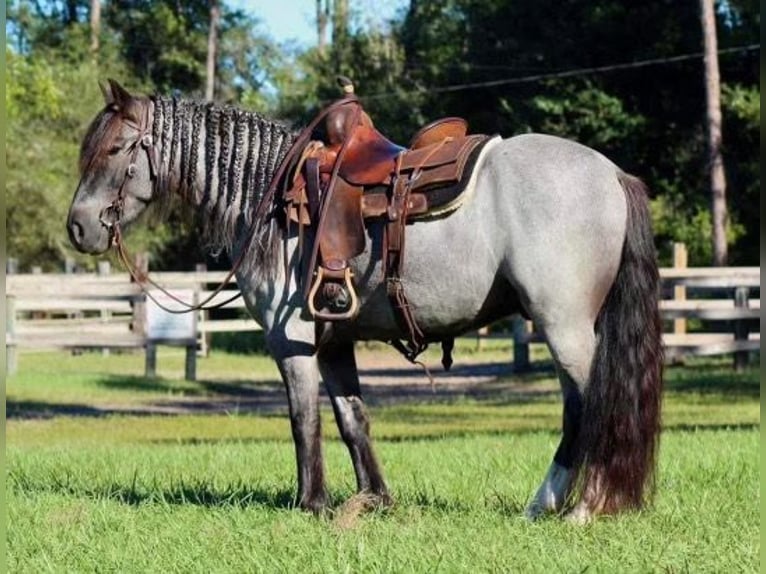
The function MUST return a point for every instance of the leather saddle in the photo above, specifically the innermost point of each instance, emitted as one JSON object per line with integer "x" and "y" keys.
{"x": 358, "y": 175}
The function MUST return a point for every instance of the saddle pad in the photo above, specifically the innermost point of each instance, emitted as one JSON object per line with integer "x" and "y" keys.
{"x": 435, "y": 195}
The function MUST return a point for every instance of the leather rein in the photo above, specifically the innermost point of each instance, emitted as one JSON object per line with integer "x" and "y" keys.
{"x": 110, "y": 216}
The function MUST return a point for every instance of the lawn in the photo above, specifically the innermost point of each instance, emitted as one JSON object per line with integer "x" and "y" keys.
{"x": 214, "y": 493}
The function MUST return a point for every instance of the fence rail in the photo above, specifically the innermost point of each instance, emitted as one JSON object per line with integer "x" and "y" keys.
{"x": 718, "y": 298}
{"x": 47, "y": 311}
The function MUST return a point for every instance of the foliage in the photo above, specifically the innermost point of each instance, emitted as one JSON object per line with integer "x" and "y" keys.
{"x": 649, "y": 119}
{"x": 437, "y": 58}
{"x": 742, "y": 143}
{"x": 674, "y": 223}
{"x": 587, "y": 114}
{"x": 44, "y": 131}
{"x": 52, "y": 95}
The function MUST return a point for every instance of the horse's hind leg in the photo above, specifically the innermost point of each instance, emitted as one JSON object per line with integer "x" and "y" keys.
{"x": 338, "y": 367}
{"x": 573, "y": 347}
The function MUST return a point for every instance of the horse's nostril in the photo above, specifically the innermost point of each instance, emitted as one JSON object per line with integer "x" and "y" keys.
{"x": 75, "y": 232}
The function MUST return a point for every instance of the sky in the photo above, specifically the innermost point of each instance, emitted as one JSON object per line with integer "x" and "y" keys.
{"x": 294, "y": 20}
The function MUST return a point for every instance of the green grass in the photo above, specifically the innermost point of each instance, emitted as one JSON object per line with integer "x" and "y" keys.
{"x": 215, "y": 493}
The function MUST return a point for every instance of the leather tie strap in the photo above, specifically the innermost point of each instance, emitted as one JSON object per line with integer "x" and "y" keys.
{"x": 397, "y": 212}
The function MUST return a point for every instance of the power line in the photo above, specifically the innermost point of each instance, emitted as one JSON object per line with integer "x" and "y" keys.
{"x": 568, "y": 73}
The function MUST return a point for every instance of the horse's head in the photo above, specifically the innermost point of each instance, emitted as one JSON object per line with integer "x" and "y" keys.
{"x": 118, "y": 170}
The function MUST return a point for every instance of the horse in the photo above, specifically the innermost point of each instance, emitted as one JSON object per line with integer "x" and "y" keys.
{"x": 553, "y": 230}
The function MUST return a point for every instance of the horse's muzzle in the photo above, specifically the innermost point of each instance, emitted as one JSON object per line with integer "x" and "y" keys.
{"x": 84, "y": 235}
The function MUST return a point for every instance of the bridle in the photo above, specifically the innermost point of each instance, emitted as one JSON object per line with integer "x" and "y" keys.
{"x": 110, "y": 216}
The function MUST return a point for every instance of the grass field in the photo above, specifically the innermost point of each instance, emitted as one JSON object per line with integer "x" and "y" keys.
{"x": 214, "y": 493}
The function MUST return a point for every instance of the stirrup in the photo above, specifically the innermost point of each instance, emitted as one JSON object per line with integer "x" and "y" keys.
{"x": 353, "y": 307}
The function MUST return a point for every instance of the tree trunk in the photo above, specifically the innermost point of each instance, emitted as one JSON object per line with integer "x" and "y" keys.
{"x": 95, "y": 26}
{"x": 340, "y": 21}
{"x": 212, "y": 46}
{"x": 70, "y": 16}
{"x": 340, "y": 33}
{"x": 715, "y": 158}
{"x": 323, "y": 15}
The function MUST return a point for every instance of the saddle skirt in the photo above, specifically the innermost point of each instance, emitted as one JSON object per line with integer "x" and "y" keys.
{"x": 439, "y": 189}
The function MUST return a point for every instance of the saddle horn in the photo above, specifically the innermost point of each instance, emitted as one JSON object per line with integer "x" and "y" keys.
{"x": 345, "y": 84}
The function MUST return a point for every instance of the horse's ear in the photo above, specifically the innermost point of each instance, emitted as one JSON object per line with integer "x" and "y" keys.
{"x": 115, "y": 94}
{"x": 106, "y": 91}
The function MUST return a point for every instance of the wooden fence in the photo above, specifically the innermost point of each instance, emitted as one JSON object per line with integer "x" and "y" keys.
{"x": 705, "y": 311}
{"x": 107, "y": 311}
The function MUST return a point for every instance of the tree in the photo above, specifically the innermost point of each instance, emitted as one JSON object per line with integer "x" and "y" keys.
{"x": 212, "y": 48}
{"x": 714, "y": 132}
{"x": 645, "y": 118}
{"x": 95, "y": 26}
{"x": 322, "y": 17}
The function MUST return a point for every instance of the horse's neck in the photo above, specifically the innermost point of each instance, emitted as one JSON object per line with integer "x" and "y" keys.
{"x": 219, "y": 159}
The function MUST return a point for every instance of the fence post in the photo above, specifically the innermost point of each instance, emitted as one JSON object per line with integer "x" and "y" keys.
{"x": 11, "y": 364}
{"x": 138, "y": 321}
{"x": 204, "y": 337}
{"x": 680, "y": 261}
{"x": 521, "y": 333}
{"x": 104, "y": 269}
{"x": 481, "y": 334}
{"x": 741, "y": 301}
{"x": 150, "y": 364}
{"x": 139, "y": 305}
{"x": 190, "y": 368}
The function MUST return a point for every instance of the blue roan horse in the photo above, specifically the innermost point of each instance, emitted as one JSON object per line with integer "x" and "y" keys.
{"x": 552, "y": 229}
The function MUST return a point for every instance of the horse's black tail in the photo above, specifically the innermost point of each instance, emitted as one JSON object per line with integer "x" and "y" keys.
{"x": 621, "y": 418}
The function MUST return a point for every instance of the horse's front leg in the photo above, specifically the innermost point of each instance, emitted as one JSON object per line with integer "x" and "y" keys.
{"x": 301, "y": 378}
{"x": 338, "y": 367}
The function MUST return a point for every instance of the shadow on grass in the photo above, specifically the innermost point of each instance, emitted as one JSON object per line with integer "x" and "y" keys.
{"x": 236, "y": 388}
{"x": 31, "y": 410}
{"x": 712, "y": 380}
{"x": 442, "y": 435}
{"x": 182, "y": 494}
{"x": 538, "y": 371}
{"x": 493, "y": 384}
{"x": 243, "y": 496}
{"x": 196, "y": 495}
{"x": 15, "y": 409}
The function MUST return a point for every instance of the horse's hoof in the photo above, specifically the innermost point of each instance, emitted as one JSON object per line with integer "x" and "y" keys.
{"x": 534, "y": 511}
{"x": 316, "y": 506}
{"x": 580, "y": 515}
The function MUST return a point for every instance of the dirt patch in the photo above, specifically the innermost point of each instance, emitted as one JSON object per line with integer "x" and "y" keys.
{"x": 385, "y": 380}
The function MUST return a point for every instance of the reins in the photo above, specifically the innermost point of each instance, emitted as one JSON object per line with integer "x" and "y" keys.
{"x": 110, "y": 215}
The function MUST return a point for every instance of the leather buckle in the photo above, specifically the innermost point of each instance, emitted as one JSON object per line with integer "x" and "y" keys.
{"x": 131, "y": 171}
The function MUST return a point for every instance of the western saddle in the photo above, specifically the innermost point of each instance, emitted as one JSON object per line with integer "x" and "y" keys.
{"x": 357, "y": 175}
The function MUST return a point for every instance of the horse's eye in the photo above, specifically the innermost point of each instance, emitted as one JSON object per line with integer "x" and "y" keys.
{"x": 115, "y": 149}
